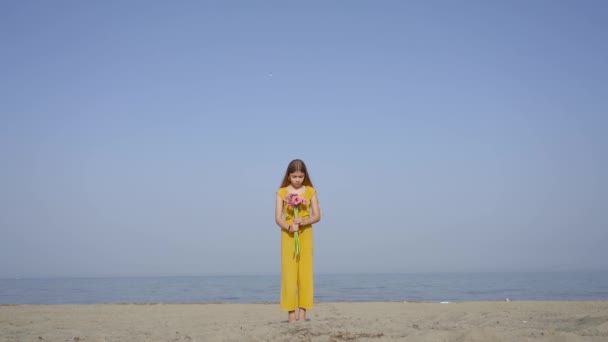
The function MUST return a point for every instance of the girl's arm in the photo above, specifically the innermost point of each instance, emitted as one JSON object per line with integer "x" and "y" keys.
{"x": 278, "y": 214}
{"x": 316, "y": 212}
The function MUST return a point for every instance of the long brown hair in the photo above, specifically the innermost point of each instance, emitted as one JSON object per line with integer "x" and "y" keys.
{"x": 296, "y": 165}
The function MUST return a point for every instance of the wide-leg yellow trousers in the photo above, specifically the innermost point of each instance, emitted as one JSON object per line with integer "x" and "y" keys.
{"x": 297, "y": 271}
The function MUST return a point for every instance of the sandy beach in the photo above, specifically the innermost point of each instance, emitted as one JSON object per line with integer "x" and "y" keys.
{"x": 370, "y": 321}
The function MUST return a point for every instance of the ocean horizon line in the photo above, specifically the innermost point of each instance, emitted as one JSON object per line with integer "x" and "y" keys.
{"x": 277, "y": 274}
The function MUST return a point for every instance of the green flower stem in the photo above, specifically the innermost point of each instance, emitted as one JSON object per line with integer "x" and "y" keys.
{"x": 296, "y": 235}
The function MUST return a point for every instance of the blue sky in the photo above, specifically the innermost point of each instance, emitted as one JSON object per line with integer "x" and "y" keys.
{"x": 148, "y": 137}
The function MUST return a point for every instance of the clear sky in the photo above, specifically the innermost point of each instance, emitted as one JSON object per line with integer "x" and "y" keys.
{"x": 149, "y": 137}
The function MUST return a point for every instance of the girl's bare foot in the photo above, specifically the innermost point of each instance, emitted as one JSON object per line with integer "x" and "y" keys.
{"x": 302, "y": 315}
{"x": 292, "y": 316}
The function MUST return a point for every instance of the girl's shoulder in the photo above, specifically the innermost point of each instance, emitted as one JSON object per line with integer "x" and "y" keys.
{"x": 282, "y": 192}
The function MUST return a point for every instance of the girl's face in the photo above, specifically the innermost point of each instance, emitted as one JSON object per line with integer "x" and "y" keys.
{"x": 297, "y": 179}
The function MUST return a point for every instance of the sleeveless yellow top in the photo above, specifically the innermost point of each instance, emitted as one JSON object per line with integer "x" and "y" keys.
{"x": 305, "y": 209}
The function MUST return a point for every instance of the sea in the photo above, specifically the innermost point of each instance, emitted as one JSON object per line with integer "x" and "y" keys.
{"x": 412, "y": 287}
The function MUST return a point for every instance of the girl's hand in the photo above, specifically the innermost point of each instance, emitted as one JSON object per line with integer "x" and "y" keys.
{"x": 299, "y": 221}
{"x": 294, "y": 228}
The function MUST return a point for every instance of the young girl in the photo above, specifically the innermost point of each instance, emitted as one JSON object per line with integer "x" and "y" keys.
{"x": 296, "y": 268}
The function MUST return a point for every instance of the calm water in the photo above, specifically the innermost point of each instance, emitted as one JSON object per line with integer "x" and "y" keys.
{"x": 264, "y": 288}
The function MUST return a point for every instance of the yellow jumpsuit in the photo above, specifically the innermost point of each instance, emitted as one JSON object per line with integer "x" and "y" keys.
{"x": 297, "y": 271}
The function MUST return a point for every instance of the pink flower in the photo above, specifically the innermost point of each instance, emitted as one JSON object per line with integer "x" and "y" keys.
{"x": 294, "y": 200}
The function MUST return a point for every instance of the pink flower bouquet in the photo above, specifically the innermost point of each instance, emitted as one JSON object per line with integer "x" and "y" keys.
{"x": 294, "y": 201}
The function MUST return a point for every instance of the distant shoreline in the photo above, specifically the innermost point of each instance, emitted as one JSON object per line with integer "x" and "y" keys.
{"x": 319, "y": 302}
